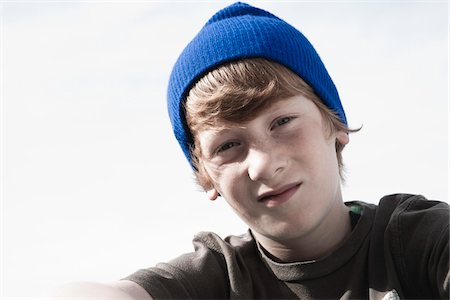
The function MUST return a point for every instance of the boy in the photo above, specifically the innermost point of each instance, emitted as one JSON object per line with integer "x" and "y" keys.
{"x": 261, "y": 122}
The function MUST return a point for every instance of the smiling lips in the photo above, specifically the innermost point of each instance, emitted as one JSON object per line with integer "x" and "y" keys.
{"x": 280, "y": 196}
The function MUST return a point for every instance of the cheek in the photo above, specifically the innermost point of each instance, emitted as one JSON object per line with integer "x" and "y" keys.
{"x": 224, "y": 179}
{"x": 302, "y": 144}
{"x": 326, "y": 164}
{"x": 314, "y": 149}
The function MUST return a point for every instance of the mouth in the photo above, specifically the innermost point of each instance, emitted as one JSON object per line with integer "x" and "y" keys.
{"x": 279, "y": 196}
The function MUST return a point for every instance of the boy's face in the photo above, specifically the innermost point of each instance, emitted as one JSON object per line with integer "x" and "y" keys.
{"x": 278, "y": 171}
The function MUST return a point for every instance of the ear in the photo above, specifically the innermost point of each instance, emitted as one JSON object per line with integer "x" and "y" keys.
{"x": 212, "y": 194}
{"x": 342, "y": 137}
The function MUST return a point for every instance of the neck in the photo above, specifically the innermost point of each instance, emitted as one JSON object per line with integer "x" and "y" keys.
{"x": 324, "y": 239}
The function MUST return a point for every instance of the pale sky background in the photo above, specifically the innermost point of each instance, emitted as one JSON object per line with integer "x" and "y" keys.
{"x": 94, "y": 185}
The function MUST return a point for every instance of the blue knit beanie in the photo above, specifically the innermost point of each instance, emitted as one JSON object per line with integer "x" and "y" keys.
{"x": 242, "y": 31}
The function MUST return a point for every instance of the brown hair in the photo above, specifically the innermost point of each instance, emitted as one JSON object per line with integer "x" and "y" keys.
{"x": 237, "y": 91}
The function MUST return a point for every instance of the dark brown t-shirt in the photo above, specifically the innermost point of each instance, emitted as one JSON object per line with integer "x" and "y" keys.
{"x": 398, "y": 249}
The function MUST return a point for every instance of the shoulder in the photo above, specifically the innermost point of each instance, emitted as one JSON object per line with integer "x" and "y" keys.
{"x": 205, "y": 272}
{"x": 417, "y": 236}
{"x": 409, "y": 202}
{"x": 212, "y": 254}
{"x": 413, "y": 219}
{"x": 234, "y": 254}
{"x": 414, "y": 212}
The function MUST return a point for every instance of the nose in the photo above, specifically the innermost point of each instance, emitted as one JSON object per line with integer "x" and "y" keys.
{"x": 264, "y": 164}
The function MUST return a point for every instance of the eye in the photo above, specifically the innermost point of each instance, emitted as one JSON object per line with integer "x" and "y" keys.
{"x": 227, "y": 146}
{"x": 283, "y": 121}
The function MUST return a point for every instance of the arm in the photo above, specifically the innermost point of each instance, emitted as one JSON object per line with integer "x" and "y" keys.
{"x": 200, "y": 274}
{"x": 119, "y": 290}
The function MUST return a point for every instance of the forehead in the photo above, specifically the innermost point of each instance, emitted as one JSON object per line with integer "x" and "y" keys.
{"x": 298, "y": 103}
{"x": 236, "y": 116}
